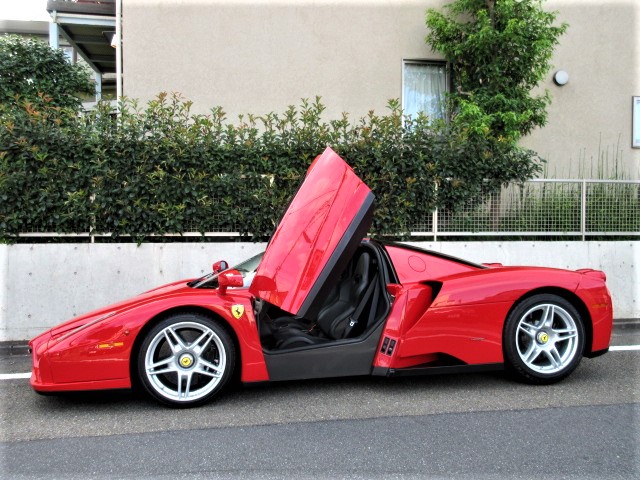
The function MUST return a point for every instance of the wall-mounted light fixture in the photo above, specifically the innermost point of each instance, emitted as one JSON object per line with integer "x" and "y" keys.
{"x": 560, "y": 78}
{"x": 111, "y": 38}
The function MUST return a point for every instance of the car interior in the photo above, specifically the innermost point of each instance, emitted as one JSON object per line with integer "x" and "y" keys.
{"x": 353, "y": 307}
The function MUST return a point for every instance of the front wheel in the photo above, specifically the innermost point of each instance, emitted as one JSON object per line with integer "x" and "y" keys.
{"x": 186, "y": 359}
{"x": 543, "y": 339}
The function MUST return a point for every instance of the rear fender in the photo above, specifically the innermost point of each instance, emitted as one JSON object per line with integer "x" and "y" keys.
{"x": 408, "y": 307}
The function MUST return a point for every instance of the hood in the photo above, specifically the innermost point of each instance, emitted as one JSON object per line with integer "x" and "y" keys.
{"x": 109, "y": 311}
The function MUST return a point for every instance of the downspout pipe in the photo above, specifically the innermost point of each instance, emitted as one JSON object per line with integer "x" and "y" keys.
{"x": 118, "y": 51}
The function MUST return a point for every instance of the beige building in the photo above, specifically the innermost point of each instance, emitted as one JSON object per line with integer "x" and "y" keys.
{"x": 591, "y": 116}
{"x": 258, "y": 56}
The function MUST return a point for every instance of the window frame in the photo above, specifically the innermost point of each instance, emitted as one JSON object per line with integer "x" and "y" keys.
{"x": 423, "y": 61}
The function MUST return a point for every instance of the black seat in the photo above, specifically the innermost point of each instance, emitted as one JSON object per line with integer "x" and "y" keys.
{"x": 333, "y": 321}
{"x": 334, "y": 317}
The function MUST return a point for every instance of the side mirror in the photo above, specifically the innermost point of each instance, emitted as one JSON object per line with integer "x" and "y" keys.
{"x": 220, "y": 265}
{"x": 394, "y": 289}
{"x": 230, "y": 278}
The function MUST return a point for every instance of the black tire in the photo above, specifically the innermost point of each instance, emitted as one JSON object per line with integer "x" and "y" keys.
{"x": 543, "y": 339}
{"x": 185, "y": 360}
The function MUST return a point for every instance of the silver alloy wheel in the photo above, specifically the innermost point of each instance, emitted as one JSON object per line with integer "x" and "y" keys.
{"x": 185, "y": 361}
{"x": 547, "y": 338}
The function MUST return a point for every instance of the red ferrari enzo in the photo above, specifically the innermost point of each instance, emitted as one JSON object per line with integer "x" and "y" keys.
{"x": 322, "y": 302}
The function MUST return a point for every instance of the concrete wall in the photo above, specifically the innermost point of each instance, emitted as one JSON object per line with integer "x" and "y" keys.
{"x": 42, "y": 285}
{"x": 258, "y": 56}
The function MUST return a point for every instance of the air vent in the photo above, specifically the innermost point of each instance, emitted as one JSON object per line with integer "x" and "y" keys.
{"x": 388, "y": 346}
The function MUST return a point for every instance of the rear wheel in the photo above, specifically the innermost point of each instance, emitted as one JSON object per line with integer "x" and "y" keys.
{"x": 543, "y": 339}
{"x": 186, "y": 359}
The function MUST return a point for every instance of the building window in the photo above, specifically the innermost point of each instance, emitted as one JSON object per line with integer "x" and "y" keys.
{"x": 424, "y": 85}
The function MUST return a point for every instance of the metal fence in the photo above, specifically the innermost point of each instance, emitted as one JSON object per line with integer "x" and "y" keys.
{"x": 546, "y": 208}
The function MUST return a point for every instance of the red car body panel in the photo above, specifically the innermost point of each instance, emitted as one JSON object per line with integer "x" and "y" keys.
{"x": 99, "y": 356}
{"x": 323, "y": 222}
{"x": 415, "y": 266}
{"x": 436, "y": 306}
{"x": 466, "y": 318}
{"x": 596, "y": 298}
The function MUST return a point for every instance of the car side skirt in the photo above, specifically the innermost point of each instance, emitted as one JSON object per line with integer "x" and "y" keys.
{"x": 437, "y": 370}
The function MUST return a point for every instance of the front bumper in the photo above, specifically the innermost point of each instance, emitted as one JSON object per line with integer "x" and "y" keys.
{"x": 42, "y": 372}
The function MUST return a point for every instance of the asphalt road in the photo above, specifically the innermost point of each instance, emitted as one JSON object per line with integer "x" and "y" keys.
{"x": 453, "y": 426}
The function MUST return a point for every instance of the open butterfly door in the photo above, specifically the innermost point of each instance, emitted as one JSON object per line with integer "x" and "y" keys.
{"x": 317, "y": 236}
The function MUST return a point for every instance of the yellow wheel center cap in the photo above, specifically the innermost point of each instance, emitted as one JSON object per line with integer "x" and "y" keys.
{"x": 543, "y": 337}
{"x": 186, "y": 360}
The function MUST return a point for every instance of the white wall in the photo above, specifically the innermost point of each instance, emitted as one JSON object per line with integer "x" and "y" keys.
{"x": 42, "y": 285}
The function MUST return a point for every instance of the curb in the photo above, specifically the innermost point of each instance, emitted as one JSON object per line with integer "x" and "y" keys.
{"x": 626, "y": 323}
{"x": 14, "y": 348}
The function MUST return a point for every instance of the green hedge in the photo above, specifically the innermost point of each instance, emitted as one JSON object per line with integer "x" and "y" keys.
{"x": 161, "y": 169}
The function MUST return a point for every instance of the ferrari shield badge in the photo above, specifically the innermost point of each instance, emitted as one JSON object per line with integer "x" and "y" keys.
{"x": 237, "y": 311}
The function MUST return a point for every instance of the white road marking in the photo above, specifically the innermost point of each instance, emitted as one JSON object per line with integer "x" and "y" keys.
{"x": 620, "y": 348}
{"x": 624, "y": 348}
{"x": 12, "y": 376}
